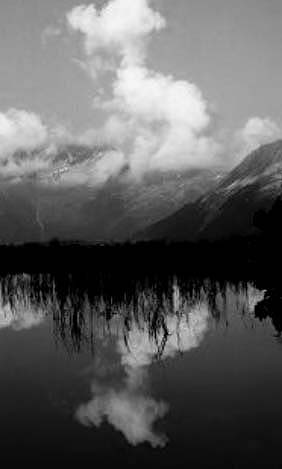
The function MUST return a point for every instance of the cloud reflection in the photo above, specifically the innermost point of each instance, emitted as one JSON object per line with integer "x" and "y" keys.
{"x": 180, "y": 334}
{"x": 21, "y": 313}
{"x": 131, "y": 331}
{"x": 127, "y": 406}
{"x": 22, "y": 320}
{"x": 129, "y": 410}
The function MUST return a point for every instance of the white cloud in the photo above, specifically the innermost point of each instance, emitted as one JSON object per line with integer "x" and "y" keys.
{"x": 119, "y": 28}
{"x": 95, "y": 171}
{"x": 156, "y": 121}
{"x": 169, "y": 121}
{"x": 256, "y": 132}
{"x": 28, "y": 146}
{"x": 164, "y": 122}
{"x": 154, "y": 97}
{"x": 21, "y": 130}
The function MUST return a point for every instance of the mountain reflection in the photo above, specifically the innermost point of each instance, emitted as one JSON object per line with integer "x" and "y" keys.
{"x": 127, "y": 330}
{"x": 155, "y": 320}
{"x": 126, "y": 404}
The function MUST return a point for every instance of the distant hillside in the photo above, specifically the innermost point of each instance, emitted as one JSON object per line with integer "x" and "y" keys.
{"x": 228, "y": 209}
{"x": 41, "y": 206}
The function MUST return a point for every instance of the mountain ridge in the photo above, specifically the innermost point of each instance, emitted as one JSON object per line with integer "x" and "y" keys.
{"x": 40, "y": 206}
{"x": 228, "y": 208}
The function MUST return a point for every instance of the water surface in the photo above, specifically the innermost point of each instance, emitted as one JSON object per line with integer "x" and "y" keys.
{"x": 171, "y": 372}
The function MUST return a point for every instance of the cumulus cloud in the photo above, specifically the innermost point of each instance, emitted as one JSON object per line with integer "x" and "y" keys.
{"x": 164, "y": 122}
{"x": 168, "y": 118}
{"x": 120, "y": 28}
{"x": 157, "y": 122}
{"x": 256, "y": 132}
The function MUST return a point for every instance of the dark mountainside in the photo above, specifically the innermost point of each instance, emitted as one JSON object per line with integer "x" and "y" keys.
{"x": 228, "y": 210}
{"x": 41, "y": 207}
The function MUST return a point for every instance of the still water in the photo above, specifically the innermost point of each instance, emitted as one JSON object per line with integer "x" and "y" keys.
{"x": 170, "y": 373}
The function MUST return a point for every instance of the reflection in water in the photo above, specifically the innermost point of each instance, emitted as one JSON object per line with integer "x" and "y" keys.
{"x": 25, "y": 318}
{"x": 18, "y": 309}
{"x": 152, "y": 322}
{"x": 127, "y": 406}
{"x": 130, "y": 329}
{"x": 179, "y": 333}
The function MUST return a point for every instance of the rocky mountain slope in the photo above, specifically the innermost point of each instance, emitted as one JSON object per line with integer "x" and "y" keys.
{"x": 228, "y": 209}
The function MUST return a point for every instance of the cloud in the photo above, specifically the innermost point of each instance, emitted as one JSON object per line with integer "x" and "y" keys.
{"x": 95, "y": 171}
{"x": 25, "y": 143}
{"x": 165, "y": 123}
{"x": 169, "y": 121}
{"x": 29, "y": 146}
{"x": 157, "y": 122}
{"x": 120, "y": 28}
{"x": 21, "y": 130}
{"x": 256, "y": 132}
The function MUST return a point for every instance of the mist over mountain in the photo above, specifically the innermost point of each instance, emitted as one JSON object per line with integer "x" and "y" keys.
{"x": 229, "y": 208}
{"x": 77, "y": 197}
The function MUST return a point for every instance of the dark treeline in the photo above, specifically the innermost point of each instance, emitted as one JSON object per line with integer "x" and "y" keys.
{"x": 243, "y": 258}
{"x": 237, "y": 257}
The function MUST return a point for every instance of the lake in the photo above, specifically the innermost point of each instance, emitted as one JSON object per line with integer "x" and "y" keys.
{"x": 166, "y": 372}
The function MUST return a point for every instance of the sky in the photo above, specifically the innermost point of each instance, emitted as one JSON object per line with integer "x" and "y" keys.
{"x": 196, "y": 79}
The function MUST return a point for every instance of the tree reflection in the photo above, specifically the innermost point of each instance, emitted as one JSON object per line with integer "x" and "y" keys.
{"x": 165, "y": 311}
{"x": 127, "y": 327}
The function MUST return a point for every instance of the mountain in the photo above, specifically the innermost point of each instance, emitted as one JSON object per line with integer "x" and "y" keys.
{"x": 228, "y": 209}
{"x": 44, "y": 204}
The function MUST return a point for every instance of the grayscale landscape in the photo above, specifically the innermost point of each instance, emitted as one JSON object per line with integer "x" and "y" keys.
{"x": 140, "y": 233}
